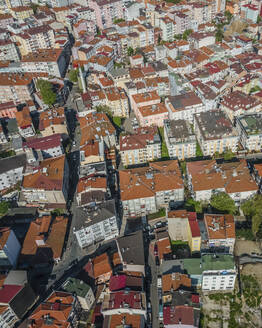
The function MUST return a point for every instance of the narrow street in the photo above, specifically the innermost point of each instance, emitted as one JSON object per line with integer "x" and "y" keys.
{"x": 153, "y": 290}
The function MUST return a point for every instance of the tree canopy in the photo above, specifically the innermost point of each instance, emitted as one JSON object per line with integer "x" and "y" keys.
{"x": 73, "y": 75}
{"x": 252, "y": 208}
{"x": 222, "y": 202}
{"x": 130, "y": 51}
{"x": 46, "y": 91}
{"x": 228, "y": 155}
{"x": 4, "y": 206}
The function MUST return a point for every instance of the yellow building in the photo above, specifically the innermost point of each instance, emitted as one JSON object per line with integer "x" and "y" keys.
{"x": 21, "y": 12}
{"x": 194, "y": 236}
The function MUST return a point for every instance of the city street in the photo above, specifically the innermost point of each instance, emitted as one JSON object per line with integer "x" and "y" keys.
{"x": 153, "y": 290}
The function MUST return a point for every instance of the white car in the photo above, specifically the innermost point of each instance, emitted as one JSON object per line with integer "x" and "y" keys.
{"x": 159, "y": 283}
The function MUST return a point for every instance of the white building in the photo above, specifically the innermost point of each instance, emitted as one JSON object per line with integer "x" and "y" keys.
{"x": 180, "y": 140}
{"x": 219, "y": 272}
{"x": 96, "y": 225}
{"x": 9, "y": 248}
{"x": 7, "y": 317}
{"x": 8, "y": 51}
{"x": 11, "y": 170}
{"x": 220, "y": 230}
{"x": 250, "y": 131}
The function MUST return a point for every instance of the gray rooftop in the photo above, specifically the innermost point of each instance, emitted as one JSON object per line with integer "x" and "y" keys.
{"x": 88, "y": 216}
{"x": 252, "y": 124}
{"x": 214, "y": 124}
{"x": 16, "y": 277}
{"x": 118, "y": 72}
{"x": 132, "y": 248}
{"x": 11, "y": 163}
{"x": 179, "y": 131}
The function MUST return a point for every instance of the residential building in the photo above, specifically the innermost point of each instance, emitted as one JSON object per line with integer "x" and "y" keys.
{"x": 202, "y": 39}
{"x": 183, "y": 226}
{"x": 46, "y": 147}
{"x": 21, "y": 12}
{"x": 181, "y": 315}
{"x": 99, "y": 269}
{"x": 144, "y": 99}
{"x": 24, "y": 122}
{"x": 115, "y": 320}
{"x": 16, "y": 300}
{"x": 124, "y": 302}
{"x": 179, "y": 138}
{"x": 51, "y": 61}
{"x": 96, "y": 224}
{"x": 131, "y": 251}
{"x": 215, "y": 132}
{"x": 117, "y": 101}
{"x": 34, "y": 38}
{"x": 167, "y": 25}
{"x": 219, "y": 272}
{"x": 11, "y": 171}
{"x": 106, "y": 12}
{"x": 92, "y": 154}
{"x": 145, "y": 190}
{"x": 10, "y": 249}
{"x": 81, "y": 290}
{"x": 238, "y": 103}
{"x": 47, "y": 186}
{"x": 8, "y": 109}
{"x": 41, "y": 247}
{"x": 154, "y": 115}
{"x": 141, "y": 147}
{"x": 208, "y": 177}
{"x": 184, "y": 106}
{"x": 52, "y": 121}
{"x": 250, "y": 131}
{"x": 61, "y": 308}
{"x": 172, "y": 282}
{"x": 220, "y": 231}
{"x": 17, "y": 87}
{"x": 8, "y": 50}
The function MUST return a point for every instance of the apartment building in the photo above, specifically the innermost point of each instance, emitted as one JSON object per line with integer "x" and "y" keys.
{"x": 117, "y": 101}
{"x": 183, "y": 225}
{"x": 8, "y": 51}
{"x": 180, "y": 139}
{"x": 34, "y": 38}
{"x": 106, "y": 12}
{"x": 250, "y": 131}
{"x": 11, "y": 171}
{"x": 51, "y": 61}
{"x": 184, "y": 106}
{"x": 95, "y": 225}
{"x": 52, "y": 121}
{"x": 6, "y": 19}
{"x": 21, "y": 12}
{"x": 141, "y": 147}
{"x": 63, "y": 308}
{"x": 238, "y": 103}
{"x": 50, "y": 146}
{"x": 219, "y": 272}
{"x": 145, "y": 190}
{"x": 47, "y": 186}
{"x": 154, "y": 114}
{"x": 24, "y": 123}
{"x": 167, "y": 25}
{"x": 143, "y": 100}
{"x": 17, "y": 87}
{"x": 220, "y": 231}
{"x": 215, "y": 132}
{"x": 10, "y": 248}
{"x": 208, "y": 177}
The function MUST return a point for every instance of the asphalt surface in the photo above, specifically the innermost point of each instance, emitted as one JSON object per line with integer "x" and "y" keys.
{"x": 153, "y": 291}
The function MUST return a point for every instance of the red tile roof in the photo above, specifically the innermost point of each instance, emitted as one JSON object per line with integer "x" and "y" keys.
{"x": 117, "y": 282}
{"x": 8, "y": 292}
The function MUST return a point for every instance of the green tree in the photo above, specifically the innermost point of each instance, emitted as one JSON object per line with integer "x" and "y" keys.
{"x": 4, "y": 206}
{"x": 34, "y": 6}
{"x": 178, "y": 36}
{"x": 222, "y": 202}
{"x": 193, "y": 205}
{"x": 73, "y": 75}
{"x": 130, "y": 51}
{"x": 252, "y": 209}
{"x": 228, "y": 16}
{"x": 118, "y": 20}
{"x": 199, "y": 152}
{"x": 219, "y": 35}
{"x": 186, "y": 34}
{"x": 259, "y": 19}
{"x": 228, "y": 155}
{"x": 46, "y": 91}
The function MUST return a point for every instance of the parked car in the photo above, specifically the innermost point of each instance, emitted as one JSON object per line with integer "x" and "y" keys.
{"x": 159, "y": 282}
{"x": 149, "y": 308}
{"x": 155, "y": 250}
{"x": 157, "y": 261}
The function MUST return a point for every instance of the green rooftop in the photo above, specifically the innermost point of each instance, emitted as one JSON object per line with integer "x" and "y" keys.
{"x": 218, "y": 262}
{"x": 73, "y": 285}
{"x": 195, "y": 266}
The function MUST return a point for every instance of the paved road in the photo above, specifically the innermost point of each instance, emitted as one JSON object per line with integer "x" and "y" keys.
{"x": 153, "y": 290}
